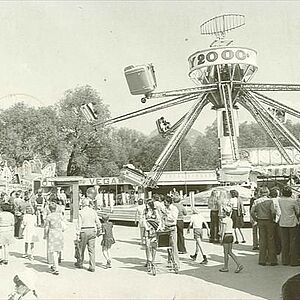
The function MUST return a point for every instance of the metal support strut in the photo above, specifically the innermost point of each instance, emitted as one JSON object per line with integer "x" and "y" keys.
{"x": 246, "y": 102}
{"x": 225, "y": 92}
{"x": 175, "y": 140}
{"x": 275, "y": 122}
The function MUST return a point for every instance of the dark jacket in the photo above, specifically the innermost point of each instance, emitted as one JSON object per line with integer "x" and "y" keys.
{"x": 263, "y": 209}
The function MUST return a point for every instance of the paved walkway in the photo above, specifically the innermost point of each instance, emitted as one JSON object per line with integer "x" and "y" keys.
{"x": 128, "y": 278}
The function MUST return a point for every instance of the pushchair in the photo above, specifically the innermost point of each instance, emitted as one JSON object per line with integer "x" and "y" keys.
{"x": 162, "y": 239}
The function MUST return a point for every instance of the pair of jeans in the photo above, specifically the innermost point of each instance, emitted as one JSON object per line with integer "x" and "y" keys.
{"x": 180, "y": 237}
{"x": 267, "y": 247}
{"x": 288, "y": 245}
{"x": 87, "y": 239}
{"x": 214, "y": 226}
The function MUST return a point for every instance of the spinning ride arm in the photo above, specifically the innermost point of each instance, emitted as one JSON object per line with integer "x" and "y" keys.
{"x": 276, "y": 104}
{"x": 140, "y": 112}
{"x": 270, "y": 87}
{"x": 247, "y": 103}
{"x": 187, "y": 91}
{"x": 276, "y": 123}
{"x": 175, "y": 140}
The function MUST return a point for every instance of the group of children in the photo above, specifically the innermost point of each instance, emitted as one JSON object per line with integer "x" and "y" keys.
{"x": 226, "y": 232}
{"x": 197, "y": 222}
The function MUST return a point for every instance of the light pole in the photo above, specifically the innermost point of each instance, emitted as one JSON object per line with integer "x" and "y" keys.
{"x": 180, "y": 158}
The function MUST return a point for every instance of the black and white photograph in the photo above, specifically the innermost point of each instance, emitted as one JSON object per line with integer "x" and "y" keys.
{"x": 150, "y": 150}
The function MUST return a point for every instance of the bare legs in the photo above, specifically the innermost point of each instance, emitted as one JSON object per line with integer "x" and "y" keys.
{"x": 142, "y": 234}
{"x": 228, "y": 252}
{"x": 199, "y": 247}
{"x": 236, "y": 236}
{"x": 30, "y": 252}
{"x": 106, "y": 254}
{"x": 4, "y": 258}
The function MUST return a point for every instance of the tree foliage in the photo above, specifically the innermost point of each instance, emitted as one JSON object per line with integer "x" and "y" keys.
{"x": 205, "y": 153}
{"x": 60, "y": 134}
{"x": 28, "y": 133}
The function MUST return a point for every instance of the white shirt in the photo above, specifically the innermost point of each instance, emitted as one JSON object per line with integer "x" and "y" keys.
{"x": 197, "y": 221}
{"x": 140, "y": 212}
{"x": 171, "y": 215}
{"x": 234, "y": 203}
{"x": 228, "y": 224}
{"x": 277, "y": 209}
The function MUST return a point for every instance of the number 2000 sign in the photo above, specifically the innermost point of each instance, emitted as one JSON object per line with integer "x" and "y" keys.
{"x": 212, "y": 56}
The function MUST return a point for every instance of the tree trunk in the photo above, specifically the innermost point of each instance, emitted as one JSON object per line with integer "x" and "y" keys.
{"x": 70, "y": 162}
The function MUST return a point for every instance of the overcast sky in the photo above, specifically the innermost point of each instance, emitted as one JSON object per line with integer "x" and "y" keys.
{"x": 49, "y": 47}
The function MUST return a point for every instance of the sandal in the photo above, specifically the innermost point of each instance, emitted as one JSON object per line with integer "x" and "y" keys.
{"x": 55, "y": 272}
{"x": 239, "y": 269}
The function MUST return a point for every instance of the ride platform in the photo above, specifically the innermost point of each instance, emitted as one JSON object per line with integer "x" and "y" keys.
{"x": 126, "y": 213}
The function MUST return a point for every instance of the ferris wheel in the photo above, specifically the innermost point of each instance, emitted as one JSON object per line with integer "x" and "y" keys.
{"x": 223, "y": 73}
{"x": 14, "y": 98}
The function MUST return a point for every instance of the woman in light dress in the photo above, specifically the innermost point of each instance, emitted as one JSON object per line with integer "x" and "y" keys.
{"x": 7, "y": 222}
{"x": 54, "y": 227}
{"x": 29, "y": 231}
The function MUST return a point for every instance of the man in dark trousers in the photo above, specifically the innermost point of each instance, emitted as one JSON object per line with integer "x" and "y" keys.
{"x": 19, "y": 211}
{"x": 88, "y": 228}
{"x": 180, "y": 225}
{"x": 263, "y": 212}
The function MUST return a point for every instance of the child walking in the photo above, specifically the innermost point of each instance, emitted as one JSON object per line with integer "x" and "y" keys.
{"x": 227, "y": 240}
{"x": 196, "y": 223}
{"x": 29, "y": 230}
{"x": 107, "y": 240}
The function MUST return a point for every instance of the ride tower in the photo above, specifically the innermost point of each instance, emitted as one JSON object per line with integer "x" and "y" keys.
{"x": 222, "y": 74}
{"x": 225, "y": 65}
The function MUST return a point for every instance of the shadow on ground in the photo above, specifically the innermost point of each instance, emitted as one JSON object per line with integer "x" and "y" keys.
{"x": 138, "y": 264}
{"x": 248, "y": 280}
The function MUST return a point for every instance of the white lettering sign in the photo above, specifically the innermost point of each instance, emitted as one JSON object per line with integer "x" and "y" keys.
{"x": 102, "y": 181}
{"x": 218, "y": 56}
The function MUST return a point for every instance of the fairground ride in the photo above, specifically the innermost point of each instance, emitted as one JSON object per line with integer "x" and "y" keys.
{"x": 222, "y": 73}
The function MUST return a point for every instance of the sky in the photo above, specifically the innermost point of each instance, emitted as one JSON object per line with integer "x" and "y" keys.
{"x": 49, "y": 47}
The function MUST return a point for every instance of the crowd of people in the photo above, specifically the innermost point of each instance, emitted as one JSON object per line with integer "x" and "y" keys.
{"x": 274, "y": 217}
{"x": 21, "y": 213}
{"x": 166, "y": 213}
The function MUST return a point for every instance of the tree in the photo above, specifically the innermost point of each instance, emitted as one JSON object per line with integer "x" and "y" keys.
{"x": 205, "y": 154}
{"x": 80, "y": 141}
{"x": 128, "y": 143}
{"x": 27, "y": 133}
{"x": 252, "y": 135}
{"x": 153, "y": 147}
